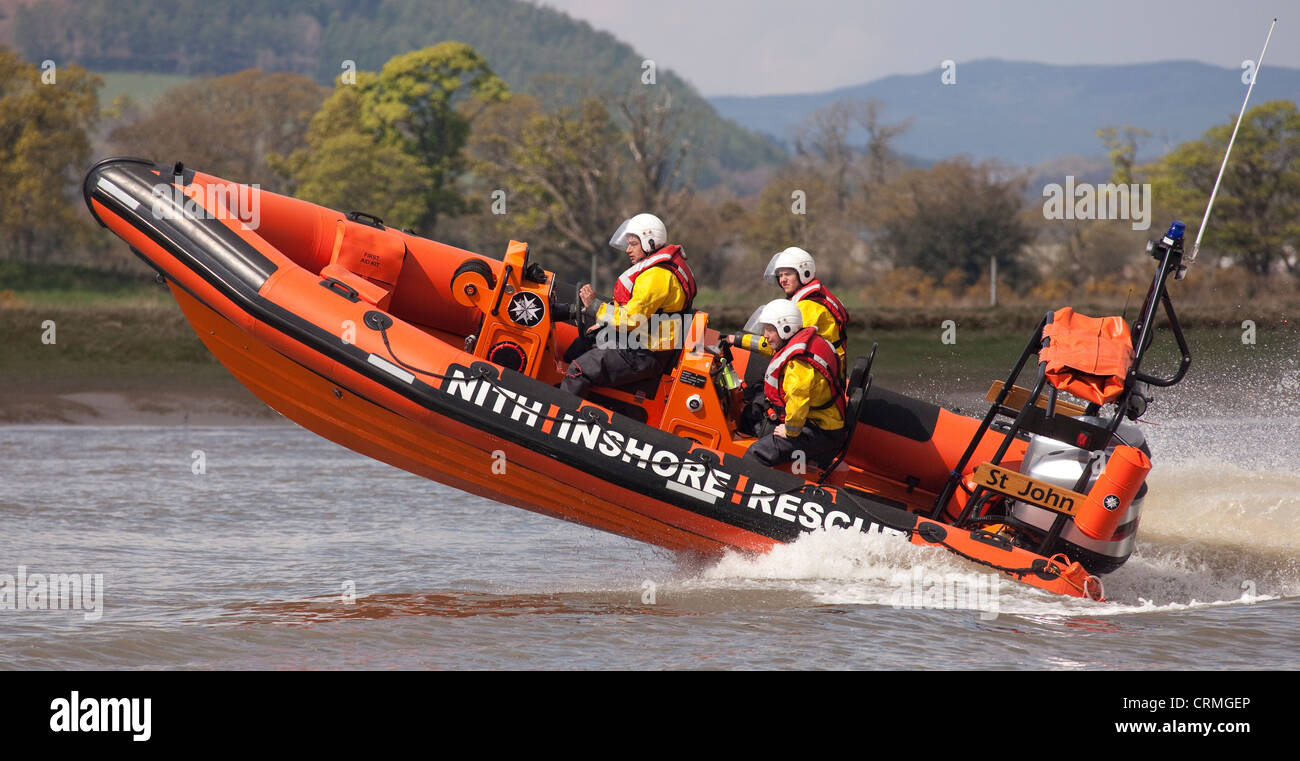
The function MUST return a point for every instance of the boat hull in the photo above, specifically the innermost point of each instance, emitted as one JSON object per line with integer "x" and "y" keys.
{"x": 403, "y": 393}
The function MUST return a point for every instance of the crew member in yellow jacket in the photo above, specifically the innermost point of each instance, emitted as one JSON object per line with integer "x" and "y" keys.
{"x": 795, "y": 271}
{"x": 802, "y": 405}
{"x": 632, "y": 340}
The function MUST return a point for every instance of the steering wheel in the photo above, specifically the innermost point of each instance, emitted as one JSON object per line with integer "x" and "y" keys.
{"x": 581, "y": 318}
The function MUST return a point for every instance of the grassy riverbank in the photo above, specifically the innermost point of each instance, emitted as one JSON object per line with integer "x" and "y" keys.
{"x": 130, "y": 356}
{"x": 68, "y": 356}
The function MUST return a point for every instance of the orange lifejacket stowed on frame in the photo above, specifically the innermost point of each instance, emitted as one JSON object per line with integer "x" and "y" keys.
{"x": 819, "y": 353}
{"x": 671, "y": 258}
{"x": 816, "y": 292}
{"x": 1087, "y": 356}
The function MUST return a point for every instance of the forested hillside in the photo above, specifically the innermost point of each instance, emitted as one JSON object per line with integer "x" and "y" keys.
{"x": 535, "y": 50}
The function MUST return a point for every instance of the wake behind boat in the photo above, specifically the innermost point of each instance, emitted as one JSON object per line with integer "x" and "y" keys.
{"x": 445, "y": 363}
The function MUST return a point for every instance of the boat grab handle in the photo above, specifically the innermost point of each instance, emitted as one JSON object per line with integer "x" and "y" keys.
{"x": 366, "y": 219}
{"x": 341, "y": 288}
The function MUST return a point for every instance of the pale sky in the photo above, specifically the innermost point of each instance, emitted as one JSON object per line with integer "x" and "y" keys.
{"x": 765, "y": 47}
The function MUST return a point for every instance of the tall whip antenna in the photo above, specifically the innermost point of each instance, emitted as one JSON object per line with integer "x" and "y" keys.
{"x": 1196, "y": 247}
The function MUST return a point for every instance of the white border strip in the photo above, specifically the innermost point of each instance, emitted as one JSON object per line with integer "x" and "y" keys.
{"x": 390, "y": 368}
{"x": 692, "y": 492}
{"x": 118, "y": 193}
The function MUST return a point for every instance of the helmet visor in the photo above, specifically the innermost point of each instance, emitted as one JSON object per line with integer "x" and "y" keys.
{"x": 619, "y": 240}
{"x": 781, "y": 261}
{"x": 754, "y": 326}
{"x": 769, "y": 274}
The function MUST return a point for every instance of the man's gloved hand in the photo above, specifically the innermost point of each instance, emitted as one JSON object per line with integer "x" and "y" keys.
{"x": 581, "y": 311}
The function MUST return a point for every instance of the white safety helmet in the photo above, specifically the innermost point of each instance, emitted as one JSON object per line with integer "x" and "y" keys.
{"x": 781, "y": 314}
{"x": 794, "y": 258}
{"x": 647, "y": 227}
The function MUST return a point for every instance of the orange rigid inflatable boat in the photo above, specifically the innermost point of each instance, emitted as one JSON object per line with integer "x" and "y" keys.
{"x": 445, "y": 363}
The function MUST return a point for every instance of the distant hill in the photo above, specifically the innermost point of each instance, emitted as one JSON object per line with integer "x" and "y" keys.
{"x": 522, "y": 42}
{"x": 1028, "y": 113}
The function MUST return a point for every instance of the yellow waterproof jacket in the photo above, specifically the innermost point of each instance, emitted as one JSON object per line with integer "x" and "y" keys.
{"x": 814, "y": 315}
{"x": 805, "y": 388}
{"x": 656, "y": 291}
{"x": 817, "y": 316}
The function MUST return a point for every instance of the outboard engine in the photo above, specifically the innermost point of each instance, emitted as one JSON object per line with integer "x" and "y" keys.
{"x": 1084, "y": 468}
{"x": 1062, "y": 464}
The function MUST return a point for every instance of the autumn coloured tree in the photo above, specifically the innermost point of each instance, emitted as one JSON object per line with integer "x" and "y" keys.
{"x": 227, "y": 125}
{"x": 45, "y": 116}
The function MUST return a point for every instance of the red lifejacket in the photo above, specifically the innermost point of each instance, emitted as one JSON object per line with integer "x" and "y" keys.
{"x": 671, "y": 258}
{"x": 817, "y": 292}
{"x": 819, "y": 353}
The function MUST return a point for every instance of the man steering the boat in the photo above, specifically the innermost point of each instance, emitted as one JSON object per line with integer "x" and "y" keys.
{"x": 631, "y": 344}
{"x": 802, "y": 404}
{"x": 795, "y": 271}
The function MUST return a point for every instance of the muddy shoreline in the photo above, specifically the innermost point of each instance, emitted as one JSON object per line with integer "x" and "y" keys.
{"x": 224, "y": 405}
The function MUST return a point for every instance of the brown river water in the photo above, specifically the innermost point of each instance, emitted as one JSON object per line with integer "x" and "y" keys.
{"x": 266, "y": 547}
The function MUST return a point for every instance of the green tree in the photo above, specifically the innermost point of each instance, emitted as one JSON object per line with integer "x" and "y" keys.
{"x": 44, "y": 149}
{"x": 953, "y": 215}
{"x": 227, "y": 126}
{"x": 350, "y": 171}
{"x": 1256, "y": 216}
{"x": 420, "y": 107}
{"x": 346, "y": 169}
